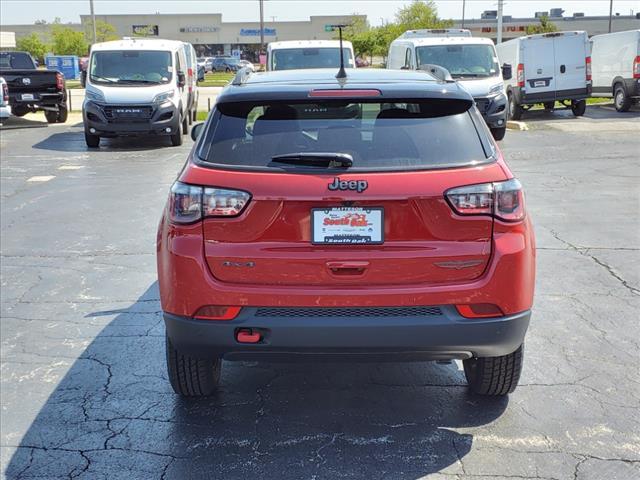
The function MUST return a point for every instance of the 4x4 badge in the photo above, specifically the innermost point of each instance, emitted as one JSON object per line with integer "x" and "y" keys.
{"x": 357, "y": 185}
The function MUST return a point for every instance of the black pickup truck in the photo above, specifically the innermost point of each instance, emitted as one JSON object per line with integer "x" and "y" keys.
{"x": 31, "y": 89}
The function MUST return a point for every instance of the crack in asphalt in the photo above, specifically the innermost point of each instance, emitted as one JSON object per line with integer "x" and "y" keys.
{"x": 585, "y": 252}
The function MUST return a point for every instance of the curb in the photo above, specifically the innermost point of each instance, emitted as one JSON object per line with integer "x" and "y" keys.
{"x": 519, "y": 126}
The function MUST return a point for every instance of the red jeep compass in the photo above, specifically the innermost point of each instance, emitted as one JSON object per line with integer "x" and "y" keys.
{"x": 372, "y": 216}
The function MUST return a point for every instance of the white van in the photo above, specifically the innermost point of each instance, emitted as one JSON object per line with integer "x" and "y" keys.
{"x": 550, "y": 67}
{"x": 306, "y": 54}
{"x": 615, "y": 64}
{"x": 136, "y": 87}
{"x": 192, "y": 81}
{"x": 471, "y": 61}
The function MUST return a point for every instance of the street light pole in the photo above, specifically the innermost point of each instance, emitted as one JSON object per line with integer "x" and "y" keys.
{"x": 610, "y": 13}
{"x": 93, "y": 21}
{"x": 499, "y": 38}
{"x": 463, "y": 5}
{"x": 261, "y": 25}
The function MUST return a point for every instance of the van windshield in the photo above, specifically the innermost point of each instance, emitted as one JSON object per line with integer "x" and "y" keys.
{"x": 129, "y": 67}
{"x": 325, "y": 57}
{"x": 462, "y": 61}
{"x": 375, "y": 136}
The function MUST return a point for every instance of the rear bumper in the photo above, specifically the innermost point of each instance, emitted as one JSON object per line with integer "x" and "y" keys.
{"x": 39, "y": 101}
{"x": 5, "y": 111}
{"x": 93, "y": 117}
{"x": 443, "y": 335}
{"x": 524, "y": 98}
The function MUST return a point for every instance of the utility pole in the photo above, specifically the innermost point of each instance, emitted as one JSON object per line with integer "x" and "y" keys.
{"x": 93, "y": 21}
{"x": 610, "y": 13}
{"x": 500, "y": 5}
{"x": 463, "y": 5}
{"x": 261, "y": 25}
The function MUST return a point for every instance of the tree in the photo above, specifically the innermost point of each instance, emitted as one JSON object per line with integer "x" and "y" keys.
{"x": 34, "y": 45}
{"x": 545, "y": 26}
{"x": 104, "y": 31}
{"x": 67, "y": 41}
{"x": 420, "y": 14}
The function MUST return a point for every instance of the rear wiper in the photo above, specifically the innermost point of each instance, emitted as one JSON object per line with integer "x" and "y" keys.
{"x": 316, "y": 159}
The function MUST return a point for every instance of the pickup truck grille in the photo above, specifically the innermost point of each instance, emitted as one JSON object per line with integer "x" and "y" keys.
{"x": 128, "y": 113}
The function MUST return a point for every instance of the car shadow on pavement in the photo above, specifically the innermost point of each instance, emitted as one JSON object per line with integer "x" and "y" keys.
{"x": 73, "y": 141}
{"x": 593, "y": 112}
{"x": 17, "y": 123}
{"x": 114, "y": 415}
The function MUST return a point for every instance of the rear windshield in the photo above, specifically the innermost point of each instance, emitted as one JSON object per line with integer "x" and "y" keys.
{"x": 304, "y": 58}
{"x": 377, "y": 136}
{"x": 16, "y": 61}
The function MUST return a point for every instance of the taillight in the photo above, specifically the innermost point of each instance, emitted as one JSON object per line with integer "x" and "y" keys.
{"x": 5, "y": 92}
{"x": 520, "y": 75}
{"x": 636, "y": 67}
{"x": 190, "y": 203}
{"x": 217, "y": 312}
{"x": 503, "y": 200}
{"x": 479, "y": 310}
{"x": 588, "y": 64}
{"x": 59, "y": 81}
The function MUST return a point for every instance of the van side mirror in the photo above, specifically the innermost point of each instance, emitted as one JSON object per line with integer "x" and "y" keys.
{"x": 182, "y": 79}
{"x": 196, "y": 130}
{"x": 507, "y": 71}
{"x": 83, "y": 78}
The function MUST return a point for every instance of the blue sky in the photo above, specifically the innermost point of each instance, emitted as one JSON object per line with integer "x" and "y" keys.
{"x": 27, "y": 11}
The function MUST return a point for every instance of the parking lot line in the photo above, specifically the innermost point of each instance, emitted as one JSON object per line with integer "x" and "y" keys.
{"x": 70, "y": 167}
{"x": 41, "y": 178}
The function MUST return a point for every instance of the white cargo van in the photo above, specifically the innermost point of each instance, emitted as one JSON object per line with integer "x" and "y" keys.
{"x": 615, "y": 64}
{"x": 136, "y": 87}
{"x": 192, "y": 81}
{"x": 304, "y": 54}
{"x": 550, "y": 67}
{"x": 471, "y": 61}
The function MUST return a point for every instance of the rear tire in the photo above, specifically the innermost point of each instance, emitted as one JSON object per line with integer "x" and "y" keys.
{"x": 578, "y": 107}
{"x": 498, "y": 133}
{"x": 93, "y": 141}
{"x": 176, "y": 138}
{"x": 19, "y": 111}
{"x": 51, "y": 116}
{"x": 185, "y": 123}
{"x": 189, "y": 376}
{"x": 63, "y": 113}
{"x": 515, "y": 109}
{"x": 494, "y": 376}
{"x": 620, "y": 99}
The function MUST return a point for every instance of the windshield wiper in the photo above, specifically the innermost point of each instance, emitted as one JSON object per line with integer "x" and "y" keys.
{"x": 110, "y": 80}
{"x": 133, "y": 80}
{"x": 316, "y": 159}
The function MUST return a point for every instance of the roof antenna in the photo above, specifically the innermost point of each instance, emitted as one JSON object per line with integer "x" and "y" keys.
{"x": 341, "y": 73}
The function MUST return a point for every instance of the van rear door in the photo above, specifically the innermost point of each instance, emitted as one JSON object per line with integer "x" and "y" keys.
{"x": 570, "y": 53}
{"x": 538, "y": 59}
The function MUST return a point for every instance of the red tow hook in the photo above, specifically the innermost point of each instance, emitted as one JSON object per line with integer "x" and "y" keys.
{"x": 246, "y": 335}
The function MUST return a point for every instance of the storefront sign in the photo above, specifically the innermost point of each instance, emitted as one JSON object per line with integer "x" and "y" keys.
{"x": 255, "y": 32}
{"x": 508, "y": 28}
{"x": 199, "y": 29}
{"x": 146, "y": 30}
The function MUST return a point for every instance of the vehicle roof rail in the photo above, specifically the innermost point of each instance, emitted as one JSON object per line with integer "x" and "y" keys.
{"x": 242, "y": 76}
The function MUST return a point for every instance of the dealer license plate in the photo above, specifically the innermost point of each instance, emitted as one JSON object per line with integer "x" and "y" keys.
{"x": 540, "y": 83}
{"x": 27, "y": 96}
{"x": 347, "y": 225}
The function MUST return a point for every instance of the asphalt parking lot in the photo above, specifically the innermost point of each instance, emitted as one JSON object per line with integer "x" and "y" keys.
{"x": 84, "y": 390}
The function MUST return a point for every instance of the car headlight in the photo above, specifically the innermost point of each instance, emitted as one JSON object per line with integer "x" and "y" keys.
{"x": 163, "y": 97}
{"x": 95, "y": 95}
{"x": 498, "y": 88}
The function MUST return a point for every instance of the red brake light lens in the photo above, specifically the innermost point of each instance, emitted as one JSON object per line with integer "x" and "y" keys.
{"x": 190, "y": 203}
{"x": 5, "y": 92}
{"x": 217, "y": 312}
{"x": 636, "y": 67}
{"x": 344, "y": 92}
{"x": 588, "y": 65}
{"x": 503, "y": 200}
{"x": 520, "y": 75}
{"x": 59, "y": 81}
{"x": 479, "y": 310}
